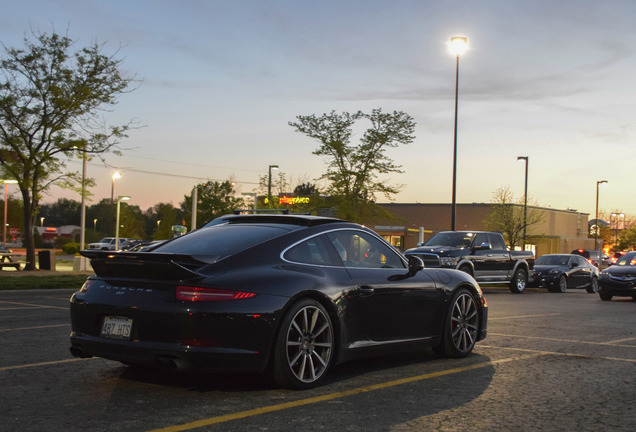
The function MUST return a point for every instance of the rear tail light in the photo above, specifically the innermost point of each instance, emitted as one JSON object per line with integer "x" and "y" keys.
{"x": 196, "y": 294}
{"x": 86, "y": 285}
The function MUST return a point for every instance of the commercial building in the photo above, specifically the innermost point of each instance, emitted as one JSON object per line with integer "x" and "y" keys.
{"x": 558, "y": 231}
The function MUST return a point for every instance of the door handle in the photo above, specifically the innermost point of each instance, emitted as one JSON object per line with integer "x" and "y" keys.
{"x": 365, "y": 290}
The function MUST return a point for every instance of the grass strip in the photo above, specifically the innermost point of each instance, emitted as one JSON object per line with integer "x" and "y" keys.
{"x": 63, "y": 281}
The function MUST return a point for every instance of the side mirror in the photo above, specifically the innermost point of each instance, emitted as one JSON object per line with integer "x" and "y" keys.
{"x": 415, "y": 264}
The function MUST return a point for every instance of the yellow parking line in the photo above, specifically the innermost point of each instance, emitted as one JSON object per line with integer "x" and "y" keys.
{"x": 546, "y": 353}
{"x": 30, "y": 306}
{"x": 522, "y": 316}
{"x": 6, "y": 368}
{"x": 615, "y": 343}
{"x": 35, "y": 328}
{"x": 332, "y": 396}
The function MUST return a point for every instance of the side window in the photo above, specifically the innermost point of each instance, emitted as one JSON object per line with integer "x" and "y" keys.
{"x": 480, "y": 239}
{"x": 496, "y": 242}
{"x": 362, "y": 250}
{"x": 312, "y": 251}
{"x": 582, "y": 261}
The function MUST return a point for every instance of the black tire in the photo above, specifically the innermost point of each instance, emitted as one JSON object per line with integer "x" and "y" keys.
{"x": 461, "y": 326}
{"x": 604, "y": 296}
{"x": 304, "y": 349}
{"x": 593, "y": 288}
{"x": 519, "y": 281}
{"x": 562, "y": 285}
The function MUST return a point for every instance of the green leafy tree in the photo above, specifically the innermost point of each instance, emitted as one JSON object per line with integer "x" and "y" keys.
{"x": 132, "y": 222}
{"x": 354, "y": 171}
{"x": 62, "y": 212}
{"x": 507, "y": 216}
{"x": 51, "y": 95}
{"x": 627, "y": 239}
{"x": 160, "y": 218}
{"x": 214, "y": 199}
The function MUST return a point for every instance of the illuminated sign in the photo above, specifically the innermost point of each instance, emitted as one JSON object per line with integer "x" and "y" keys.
{"x": 293, "y": 200}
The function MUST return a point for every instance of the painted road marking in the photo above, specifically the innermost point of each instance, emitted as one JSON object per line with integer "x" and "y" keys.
{"x": 34, "y": 328}
{"x": 547, "y": 353}
{"x": 613, "y": 343}
{"x": 29, "y": 306}
{"x": 522, "y": 316}
{"x": 6, "y": 368}
{"x": 331, "y": 396}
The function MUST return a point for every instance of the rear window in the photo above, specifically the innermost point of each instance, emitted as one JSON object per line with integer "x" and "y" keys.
{"x": 217, "y": 242}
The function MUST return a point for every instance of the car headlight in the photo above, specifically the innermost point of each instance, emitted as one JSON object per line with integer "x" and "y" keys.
{"x": 554, "y": 272}
{"x": 603, "y": 275}
{"x": 448, "y": 261}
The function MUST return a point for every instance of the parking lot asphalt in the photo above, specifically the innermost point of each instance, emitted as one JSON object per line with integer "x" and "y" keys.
{"x": 553, "y": 362}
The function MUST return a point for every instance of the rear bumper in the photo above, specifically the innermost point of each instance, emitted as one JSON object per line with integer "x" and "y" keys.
{"x": 169, "y": 356}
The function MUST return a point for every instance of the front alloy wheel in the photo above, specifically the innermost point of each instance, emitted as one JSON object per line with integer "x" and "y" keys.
{"x": 304, "y": 349}
{"x": 462, "y": 325}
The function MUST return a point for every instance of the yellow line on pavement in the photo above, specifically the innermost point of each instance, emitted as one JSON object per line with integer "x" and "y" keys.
{"x": 30, "y": 306}
{"x": 332, "y": 396}
{"x": 522, "y": 316}
{"x": 548, "y": 353}
{"x": 34, "y": 328}
{"x": 613, "y": 343}
{"x": 6, "y": 368}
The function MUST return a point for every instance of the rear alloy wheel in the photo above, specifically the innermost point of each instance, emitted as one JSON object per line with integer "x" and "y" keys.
{"x": 563, "y": 284}
{"x": 304, "y": 347}
{"x": 461, "y": 325}
{"x": 593, "y": 288}
{"x": 519, "y": 281}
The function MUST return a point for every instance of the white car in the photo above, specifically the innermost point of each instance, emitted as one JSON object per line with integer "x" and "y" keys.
{"x": 107, "y": 243}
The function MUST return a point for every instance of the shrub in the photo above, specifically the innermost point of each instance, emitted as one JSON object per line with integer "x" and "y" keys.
{"x": 70, "y": 248}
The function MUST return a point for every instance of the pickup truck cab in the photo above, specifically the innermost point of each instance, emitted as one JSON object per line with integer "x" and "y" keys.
{"x": 482, "y": 254}
{"x": 107, "y": 243}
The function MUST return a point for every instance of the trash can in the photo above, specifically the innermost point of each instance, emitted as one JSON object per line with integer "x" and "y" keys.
{"x": 46, "y": 260}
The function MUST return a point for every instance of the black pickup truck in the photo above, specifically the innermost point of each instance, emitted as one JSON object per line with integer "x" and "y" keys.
{"x": 482, "y": 254}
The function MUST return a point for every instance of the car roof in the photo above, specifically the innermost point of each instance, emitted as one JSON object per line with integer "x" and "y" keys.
{"x": 286, "y": 219}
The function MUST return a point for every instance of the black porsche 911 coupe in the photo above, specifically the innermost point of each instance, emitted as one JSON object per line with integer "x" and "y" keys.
{"x": 288, "y": 295}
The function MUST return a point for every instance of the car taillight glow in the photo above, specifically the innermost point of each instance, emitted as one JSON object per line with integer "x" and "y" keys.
{"x": 196, "y": 294}
{"x": 86, "y": 285}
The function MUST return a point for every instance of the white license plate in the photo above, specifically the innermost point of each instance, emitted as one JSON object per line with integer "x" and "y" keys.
{"x": 117, "y": 327}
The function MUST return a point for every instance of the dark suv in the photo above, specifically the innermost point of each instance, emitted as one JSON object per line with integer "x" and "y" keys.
{"x": 596, "y": 257}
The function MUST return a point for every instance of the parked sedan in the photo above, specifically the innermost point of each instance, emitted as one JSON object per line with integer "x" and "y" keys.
{"x": 619, "y": 279}
{"x": 288, "y": 295}
{"x": 558, "y": 272}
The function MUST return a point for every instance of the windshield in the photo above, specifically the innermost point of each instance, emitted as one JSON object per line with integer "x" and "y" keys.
{"x": 453, "y": 239}
{"x": 627, "y": 260}
{"x": 217, "y": 242}
{"x": 552, "y": 260}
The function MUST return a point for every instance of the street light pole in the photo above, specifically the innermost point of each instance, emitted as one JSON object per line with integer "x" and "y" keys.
{"x": 598, "y": 182}
{"x": 119, "y": 200}
{"x": 525, "y": 202}
{"x": 458, "y": 46}
{"x": 115, "y": 175}
{"x": 269, "y": 181}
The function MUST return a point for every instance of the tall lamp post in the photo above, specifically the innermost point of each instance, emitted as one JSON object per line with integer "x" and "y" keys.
{"x": 115, "y": 176}
{"x": 598, "y": 182}
{"x": 119, "y": 200}
{"x": 6, "y": 198}
{"x": 458, "y": 46}
{"x": 525, "y": 202}
{"x": 616, "y": 217}
{"x": 269, "y": 181}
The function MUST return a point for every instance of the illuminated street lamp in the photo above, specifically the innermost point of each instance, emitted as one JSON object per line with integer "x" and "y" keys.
{"x": 6, "y": 199}
{"x": 269, "y": 181}
{"x": 598, "y": 182}
{"x": 525, "y": 201}
{"x": 115, "y": 176}
{"x": 119, "y": 200}
{"x": 458, "y": 46}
